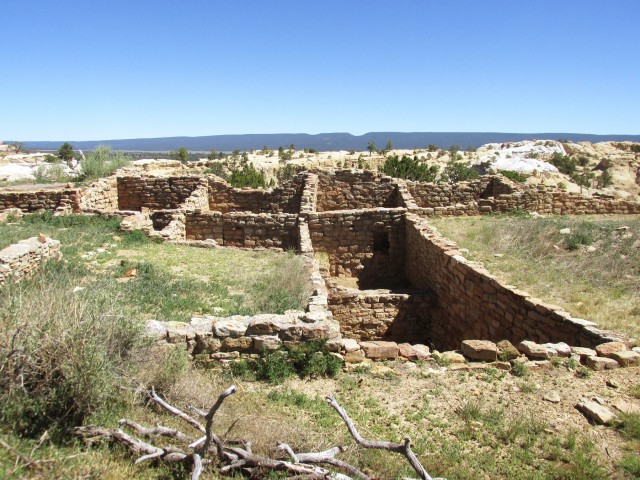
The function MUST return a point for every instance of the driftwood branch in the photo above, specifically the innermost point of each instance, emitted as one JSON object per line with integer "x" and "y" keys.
{"x": 401, "y": 448}
{"x": 235, "y": 455}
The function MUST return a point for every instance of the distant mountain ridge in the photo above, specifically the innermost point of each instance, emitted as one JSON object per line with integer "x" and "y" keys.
{"x": 326, "y": 141}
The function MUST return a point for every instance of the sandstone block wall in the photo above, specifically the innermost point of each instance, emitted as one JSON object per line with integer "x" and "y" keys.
{"x": 284, "y": 199}
{"x": 156, "y": 193}
{"x": 349, "y": 189}
{"x": 66, "y": 199}
{"x": 243, "y": 229}
{"x": 366, "y": 244}
{"x": 100, "y": 195}
{"x": 21, "y": 259}
{"x": 431, "y": 195}
{"x": 473, "y": 304}
{"x": 382, "y": 315}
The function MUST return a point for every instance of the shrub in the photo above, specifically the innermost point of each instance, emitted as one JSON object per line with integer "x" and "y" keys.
{"x": 520, "y": 370}
{"x": 583, "y": 372}
{"x": 63, "y": 353}
{"x": 65, "y": 152}
{"x": 575, "y": 240}
{"x": 564, "y": 163}
{"x": 458, "y": 172}
{"x": 247, "y": 176}
{"x": 409, "y": 168}
{"x": 515, "y": 176}
{"x": 102, "y": 162}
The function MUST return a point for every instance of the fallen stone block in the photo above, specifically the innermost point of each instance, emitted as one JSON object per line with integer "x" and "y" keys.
{"x": 506, "y": 350}
{"x": 627, "y": 358}
{"x": 380, "y": 350}
{"x": 583, "y": 352}
{"x": 596, "y": 412}
{"x": 606, "y": 349}
{"x": 535, "y": 351}
{"x": 561, "y": 349}
{"x": 410, "y": 352}
{"x": 601, "y": 363}
{"x": 480, "y": 350}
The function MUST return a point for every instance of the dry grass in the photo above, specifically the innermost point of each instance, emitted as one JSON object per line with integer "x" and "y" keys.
{"x": 601, "y": 285}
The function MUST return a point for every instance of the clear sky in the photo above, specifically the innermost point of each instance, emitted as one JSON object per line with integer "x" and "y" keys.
{"x": 91, "y": 70}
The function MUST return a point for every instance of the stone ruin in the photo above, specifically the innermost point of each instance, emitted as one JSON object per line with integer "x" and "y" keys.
{"x": 385, "y": 283}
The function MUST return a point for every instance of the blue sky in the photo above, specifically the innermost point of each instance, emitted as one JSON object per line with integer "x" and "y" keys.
{"x": 90, "y": 70}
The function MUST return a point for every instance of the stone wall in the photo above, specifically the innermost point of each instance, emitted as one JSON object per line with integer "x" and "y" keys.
{"x": 156, "y": 193}
{"x": 496, "y": 194}
{"x": 21, "y": 259}
{"x": 243, "y": 229}
{"x": 63, "y": 199}
{"x": 473, "y": 304}
{"x": 382, "y": 314}
{"x": 365, "y": 244}
{"x": 284, "y": 199}
{"x": 353, "y": 189}
{"x": 100, "y": 195}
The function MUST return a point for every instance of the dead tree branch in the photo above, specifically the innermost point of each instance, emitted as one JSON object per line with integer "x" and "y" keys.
{"x": 235, "y": 455}
{"x": 401, "y": 448}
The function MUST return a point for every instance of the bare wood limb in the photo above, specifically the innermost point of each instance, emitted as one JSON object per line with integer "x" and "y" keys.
{"x": 212, "y": 437}
{"x": 326, "y": 457}
{"x": 157, "y": 430}
{"x": 179, "y": 413}
{"x": 403, "y": 449}
{"x": 151, "y": 456}
{"x": 197, "y": 467}
{"x": 197, "y": 411}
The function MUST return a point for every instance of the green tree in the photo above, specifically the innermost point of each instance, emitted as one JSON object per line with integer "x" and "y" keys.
{"x": 18, "y": 146}
{"x": 65, "y": 152}
{"x": 606, "y": 179}
{"x": 388, "y": 147}
{"x": 371, "y": 146}
{"x": 181, "y": 154}
{"x": 212, "y": 154}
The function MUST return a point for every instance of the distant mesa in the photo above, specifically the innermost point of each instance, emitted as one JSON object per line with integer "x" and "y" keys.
{"x": 326, "y": 141}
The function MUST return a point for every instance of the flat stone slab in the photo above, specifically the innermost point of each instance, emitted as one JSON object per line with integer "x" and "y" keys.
{"x": 584, "y": 352}
{"x": 411, "y": 352}
{"x": 627, "y": 358}
{"x": 561, "y": 349}
{"x": 535, "y": 351}
{"x": 606, "y": 349}
{"x": 380, "y": 350}
{"x": 601, "y": 363}
{"x": 480, "y": 350}
{"x": 596, "y": 412}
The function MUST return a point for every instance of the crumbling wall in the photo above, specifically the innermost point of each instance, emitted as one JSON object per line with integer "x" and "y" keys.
{"x": 473, "y": 304}
{"x": 156, "y": 193}
{"x": 64, "y": 199}
{"x": 21, "y": 259}
{"x": 284, "y": 199}
{"x": 496, "y": 194}
{"x": 100, "y": 195}
{"x": 349, "y": 189}
{"x": 366, "y": 244}
{"x": 248, "y": 230}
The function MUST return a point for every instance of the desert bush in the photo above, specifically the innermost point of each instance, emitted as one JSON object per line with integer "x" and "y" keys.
{"x": 458, "y": 172}
{"x": 515, "y": 176}
{"x": 247, "y": 176}
{"x": 409, "y": 168}
{"x": 53, "y": 172}
{"x": 102, "y": 162}
{"x": 575, "y": 240}
{"x": 564, "y": 163}
{"x": 520, "y": 370}
{"x": 63, "y": 352}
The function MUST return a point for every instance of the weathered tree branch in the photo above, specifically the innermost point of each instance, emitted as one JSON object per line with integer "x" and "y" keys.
{"x": 234, "y": 455}
{"x": 212, "y": 437}
{"x": 179, "y": 413}
{"x": 158, "y": 430}
{"x": 401, "y": 448}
